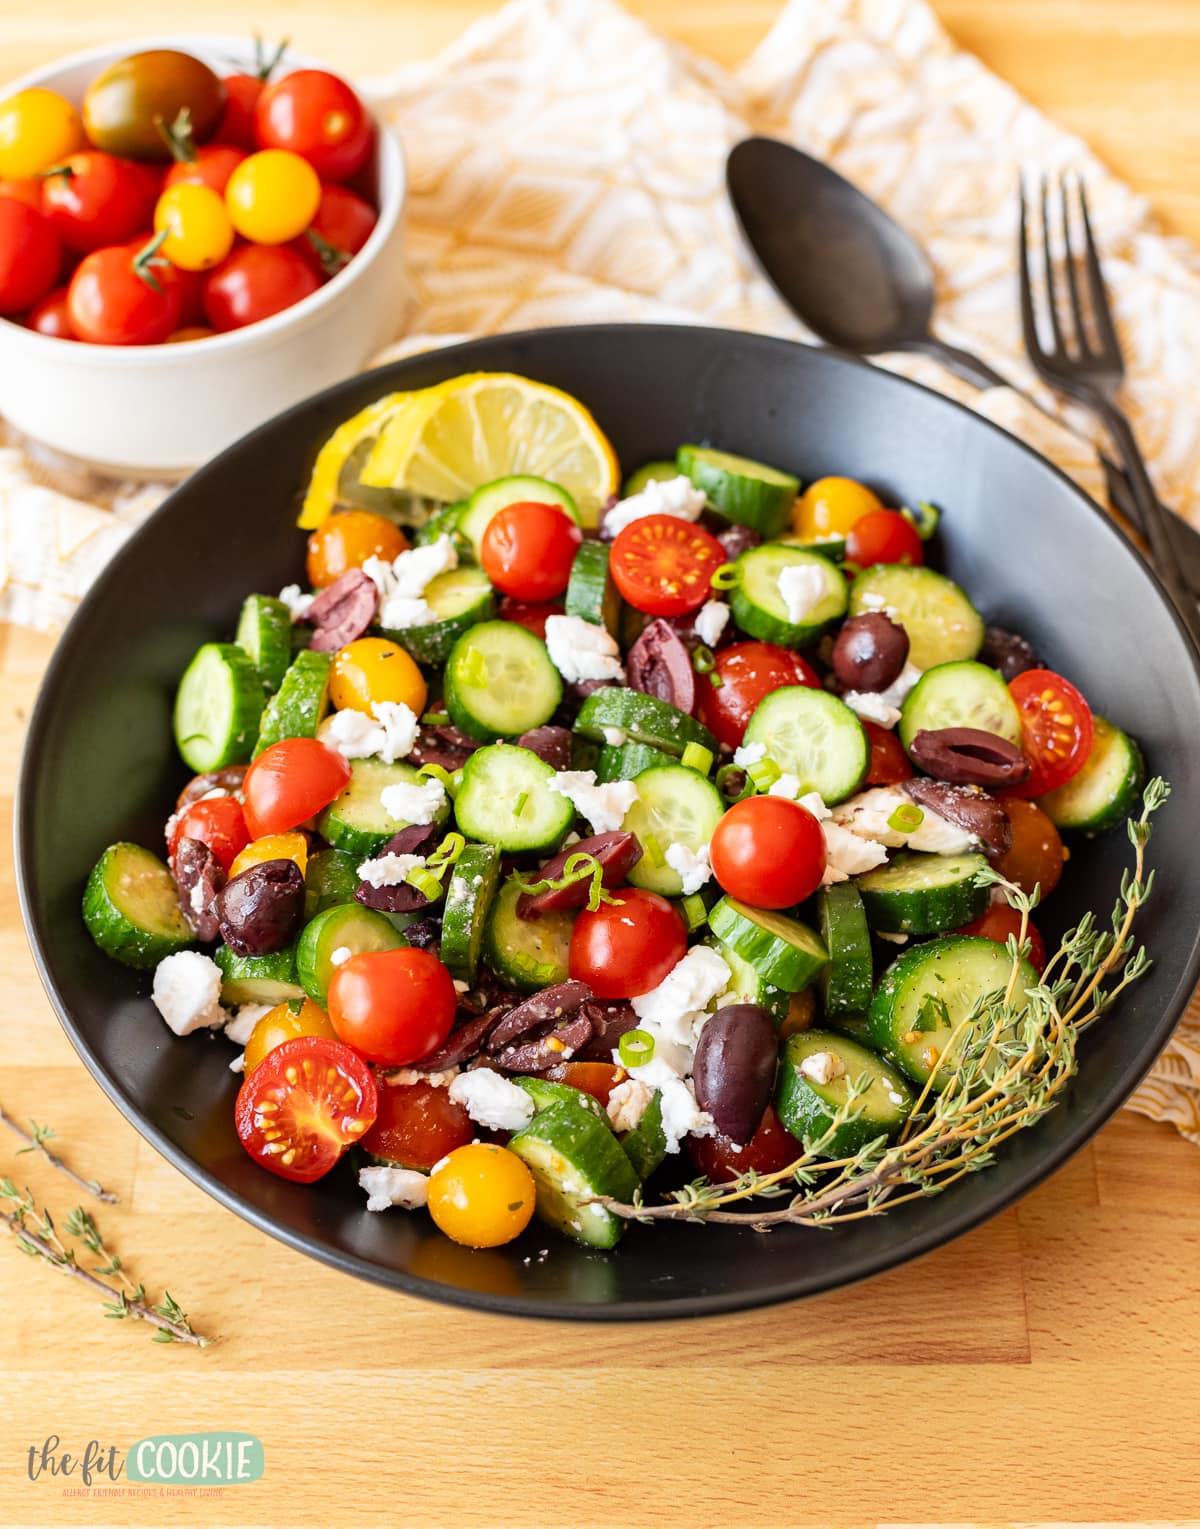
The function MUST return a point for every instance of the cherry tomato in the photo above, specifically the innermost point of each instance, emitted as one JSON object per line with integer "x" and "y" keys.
{"x": 290, "y": 846}
{"x": 595, "y": 1078}
{"x": 528, "y": 549}
{"x": 27, "y": 191}
{"x": 190, "y": 332}
{"x": 889, "y": 763}
{"x": 253, "y": 283}
{"x": 347, "y": 540}
{"x": 768, "y": 852}
{"x": 236, "y": 126}
{"x": 212, "y": 167}
{"x": 38, "y": 128}
{"x": 1056, "y": 730}
{"x": 287, "y": 1021}
{"x": 30, "y": 256}
{"x": 884, "y": 536}
{"x": 531, "y": 617}
{"x": 375, "y": 669}
{"x": 272, "y": 196}
{"x": 190, "y": 287}
{"x": 747, "y": 672}
{"x": 720, "y": 1159}
{"x": 316, "y": 114}
{"x": 52, "y": 317}
{"x": 831, "y": 506}
{"x": 217, "y": 821}
{"x": 342, "y": 225}
{"x": 95, "y": 199}
{"x": 417, "y": 1125}
{"x": 299, "y": 1110}
{"x": 1036, "y": 856}
{"x": 289, "y": 783}
{"x": 481, "y": 1195}
{"x": 664, "y": 566}
{"x": 117, "y": 298}
{"x": 199, "y": 233}
{"x": 628, "y": 946}
{"x": 125, "y": 106}
{"x": 999, "y": 922}
{"x": 395, "y": 1006}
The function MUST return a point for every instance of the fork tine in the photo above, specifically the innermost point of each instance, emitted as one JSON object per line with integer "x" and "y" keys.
{"x": 1101, "y": 309}
{"x": 1072, "y": 279}
{"x": 1048, "y": 261}
{"x": 1028, "y": 321}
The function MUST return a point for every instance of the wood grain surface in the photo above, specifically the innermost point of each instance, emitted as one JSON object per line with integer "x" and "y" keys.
{"x": 1042, "y": 1369}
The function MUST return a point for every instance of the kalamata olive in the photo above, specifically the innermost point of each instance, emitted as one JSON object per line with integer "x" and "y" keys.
{"x": 660, "y": 665}
{"x": 734, "y": 1068}
{"x": 343, "y": 612}
{"x": 260, "y": 910}
{"x": 1008, "y": 652}
{"x": 611, "y": 1018}
{"x": 545, "y": 1008}
{"x": 424, "y": 934}
{"x": 738, "y": 539}
{"x": 968, "y": 756}
{"x": 552, "y": 745}
{"x": 417, "y": 839}
{"x": 461, "y": 1044}
{"x": 968, "y": 807}
{"x": 442, "y": 744}
{"x": 560, "y": 1045}
{"x": 229, "y": 780}
{"x": 199, "y": 876}
{"x": 617, "y": 853}
{"x": 869, "y": 652}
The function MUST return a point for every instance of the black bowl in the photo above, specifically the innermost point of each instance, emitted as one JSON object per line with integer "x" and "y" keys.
{"x": 1032, "y": 550}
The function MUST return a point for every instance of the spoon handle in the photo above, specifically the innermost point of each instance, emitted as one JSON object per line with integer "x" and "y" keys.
{"x": 961, "y": 362}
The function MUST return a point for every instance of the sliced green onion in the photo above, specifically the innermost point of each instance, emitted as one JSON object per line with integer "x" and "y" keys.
{"x": 636, "y": 1048}
{"x": 455, "y": 783}
{"x": 435, "y": 719}
{"x": 475, "y": 669}
{"x": 694, "y": 911}
{"x": 729, "y": 772}
{"x": 727, "y": 576}
{"x": 715, "y": 680}
{"x": 653, "y": 850}
{"x": 924, "y": 519}
{"x": 425, "y": 882}
{"x": 702, "y": 660}
{"x": 519, "y": 804}
{"x": 764, "y": 773}
{"x": 907, "y": 818}
{"x": 447, "y": 852}
{"x": 579, "y": 867}
{"x": 697, "y": 757}
{"x": 438, "y": 772}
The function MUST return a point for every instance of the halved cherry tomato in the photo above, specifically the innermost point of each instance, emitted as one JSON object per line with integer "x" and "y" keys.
{"x": 999, "y": 922}
{"x": 720, "y": 1159}
{"x": 831, "y": 506}
{"x": 30, "y": 255}
{"x": 746, "y": 671}
{"x": 628, "y": 946}
{"x": 52, "y": 316}
{"x": 290, "y": 782}
{"x": 889, "y": 763}
{"x": 299, "y": 1110}
{"x": 884, "y": 536}
{"x": 528, "y": 549}
{"x": 768, "y": 852}
{"x": 395, "y": 1006}
{"x": 417, "y": 1124}
{"x": 287, "y": 1021}
{"x": 341, "y": 226}
{"x": 217, "y": 821}
{"x": 1035, "y": 856}
{"x": 664, "y": 566}
{"x": 532, "y": 617}
{"x": 212, "y": 166}
{"x": 481, "y": 1195}
{"x": 1056, "y": 730}
{"x": 373, "y": 669}
{"x": 595, "y": 1078}
{"x": 317, "y": 115}
{"x": 254, "y": 282}
{"x": 115, "y": 298}
{"x": 96, "y": 199}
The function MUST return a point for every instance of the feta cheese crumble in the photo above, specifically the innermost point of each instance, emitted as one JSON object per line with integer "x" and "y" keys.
{"x": 239, "y": 1028}
{"x": 691, "y": 866}
{"x": 402, "y": 583}
{"x": 802, "y": 588}
{"x": 787, "y": 786}
{"x": 603, "y": 806}
{"x": 389, "y": 732}
{"x": 404, "y": 1077}
{"x": 678, "y": 1003}
{"x": 749, "y": 754}
{"x": 845, "y": 855}
{"x": 681, "y": 1115}
{"x": 678, "y": 497}
{"x": 867, "y": 815}
{"x": 627, "y": 1103}
{"x": 581, "y": 650}
{"x": 387, "y": 1186}
{"x": 389, "y": 870}
{"x": 883, "y": 706}
{"x": 822, "y": 1067}
{"x": 710, "y": 621}
{"x": 413, "y": 804}
{"x": 615, "y": 736}
{"x": 298, "y": 603}
{"x": 491, "y": 1100}
{"x": 187, "y": 992}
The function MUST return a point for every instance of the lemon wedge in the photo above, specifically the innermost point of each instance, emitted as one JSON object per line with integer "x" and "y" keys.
{"x": 322, "y": 493}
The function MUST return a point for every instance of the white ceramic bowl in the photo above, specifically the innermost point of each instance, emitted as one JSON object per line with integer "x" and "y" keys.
{"x": 160, "y": 410}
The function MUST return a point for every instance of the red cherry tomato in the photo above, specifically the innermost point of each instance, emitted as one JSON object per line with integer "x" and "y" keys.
{"x": 342, "y": 225}
{"x": 394, "y": 1006}
{"x": 318, "y": 116}
{"x": 289, "y": 783}
{"x": 595, "y": 1078}
{"x": 628, "y": 946}
{"x": 747, "y": 672}
{"x": 216, "y": 820}
{"x": 27, "y": 191}
{"x": 417, "y": 1125}
{"x": 52, "y": 316}
{"x": 528, "y": 549}
{"x": 236, "y": 126}
{"x": 889, "y": 763}
{"x": 999, "y": 922}
{"x": 768, "y": 852}
{"x": 663, "y": 565}
{"x": 190, "y": 286}
{"x": 213, "y": 165}
{"x": 532, "y": 617}
{"x": 883, "y": 536}
{"x": 254, "y": 282}
{"x": 1056, "y": 730}
{"x": 303, "y": 1105}
{"x": 30, "y": 255}
{"x": 769, "y": 1150}
{"x": 111, "y": 303}
{"x": 96, "y": 200}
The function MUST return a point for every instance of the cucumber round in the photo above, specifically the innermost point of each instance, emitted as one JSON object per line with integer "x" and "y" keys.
{"x": 960, "y": 694}
{"x": 646, "y": 1145}
{"x": 459, "y": 599}
{"x": 675, "y": 805}
{"x": 941, "y": 623}
{"x": 265, "y": 631}
{"x": 331, "y": 878}
{"x": 783, "y": 950}
{"x": 258, "y": 979}
{"x": 807, "y": 1107}
{"x": 1105, "y": 791}
{"x": 546, "y": 1093}
{"x": 759, "y": 608}
{"x": 832, "y": 547}
{"x": 500, "y": 682}
{"x": 741, "y": 489}
{"x": 299, "y": 705}
{"x": 625, "y": 761}
{"x": 488, "y": 501}
{"x": 443, "y": 522}
{"x": 916, "y": 893}
{"x": 531, "y": 953}
{"x": 131, "y": 907}
{"x": 748, "y": 985}
{"x": 218, "y": 707}
{"x": 591, "y": 593}
{"x": 347, "y": 926}
{"x": 356, "y": 820}
{"x": 574, "y": 1157}
{"x": 505, "y": 799}
{"x": 848, "y": 980}
{"x": 469, "y": 898}
{"x": 652, "y": 472}
{"x": 814, "y": 736}
{"x": 643, "y": 719}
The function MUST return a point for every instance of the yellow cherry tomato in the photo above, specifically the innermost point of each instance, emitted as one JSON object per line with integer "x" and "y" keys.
{"x": 374, "y": 669}
{"x": 199, "y": 233}
{"x": 287, "y": 1021}
{"x": 830, "y": 506}
{"x": 272, "y": 196}
{"x": 190, "y": 332}
{"x": 38, "y": 128}
{"x": 272, "y": 847}
{"x": 481, "y": 1195}
{"x": 347, "y": 540}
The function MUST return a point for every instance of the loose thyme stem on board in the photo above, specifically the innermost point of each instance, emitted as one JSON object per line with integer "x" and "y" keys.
{"x": 37, "y": 1139}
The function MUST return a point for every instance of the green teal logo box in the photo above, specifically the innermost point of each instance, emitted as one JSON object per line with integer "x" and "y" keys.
{"x": 196, "y": 1459}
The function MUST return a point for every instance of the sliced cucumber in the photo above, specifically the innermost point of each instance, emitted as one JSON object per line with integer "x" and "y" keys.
{"x": 786, "y": 952}
{"x": 575, "y": 1158}
{"x": 505, "y": 799}
{"x": 299, "y": 705}
{"x": 258, "y": 979}
{"x": 742, "y": 490}
{"x": 469, "y": 899}
{"x": 489, "y": 500}
{"x": 675, "y": 805}
{"x": 131, "y": 907}
{"x": 748, "y": 985}
{"x": 1105, "y": 791}
{"x": 923, "y": 894}
{"x": 643, "y": 719}
{"x": 218, "y": 707}
{"x": 331, "y": 878}
{"x": 499, "y": 681}
{"x": 652, "y": 472}
{"x": 347, "y": 926}
{"x": 759, "y": 607}
{"x": 928, "y": 992}
{"x": 807, "y": 1106}
{"x": 459, "y": 599}
{"x": 531, "y": 953}
{"x": 646, "y": 1145}
{"x": 832, "y": 547}
{"x": 814, "y": 736}
{"x": 546, "y": 1093}
{"x": 624, "y": 761}
{"x": 847, "y": 982}
{"x": 960, "y": 694}
{"x": 941, "y": 623}
{"x": 443, "y": 522}
{"x": 591, "y": 593}
{"x": 357, "y": 821}
{"x": 265, "y": 631}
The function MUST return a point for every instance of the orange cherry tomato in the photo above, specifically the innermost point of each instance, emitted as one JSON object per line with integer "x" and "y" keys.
{"x": 289, "y": 783}
{"x": 347, "y": 540}
{"x": 417, "y": 1124}
{"x": 481, "y": 1195}
{"x": 300, "y": 1109}
{"x": 1036, "y": 855}
{"x": 664, "y": 566}
{"x": 528, "y": 549}
{"x": 1056, "y": 730}
{"x": 290, "y": 846}
{"x": 768, "y": 852}
{"x": 287, "y": 1021}
{"x": 595, "y": 1078}
{"x": 999, "y": 922}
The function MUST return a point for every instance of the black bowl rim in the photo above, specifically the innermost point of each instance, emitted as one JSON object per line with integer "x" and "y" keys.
{"x": 723, "y": 1303}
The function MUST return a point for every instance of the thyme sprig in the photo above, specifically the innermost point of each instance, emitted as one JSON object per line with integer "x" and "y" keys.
{"x": 36, "y": 1139}
{"x": 1003, "y": 1068}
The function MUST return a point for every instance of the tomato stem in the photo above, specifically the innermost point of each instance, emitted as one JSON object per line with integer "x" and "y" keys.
{"x": 331, "y": 257}
{"x": 179, "y": 136}
{"x": 265, "y": 67}
{"x": 148, "y": 257}
{"x": 66, "y": 171}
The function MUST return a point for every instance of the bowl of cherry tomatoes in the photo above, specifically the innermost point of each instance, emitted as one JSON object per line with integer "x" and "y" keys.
{"x": 193, "y": 236}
